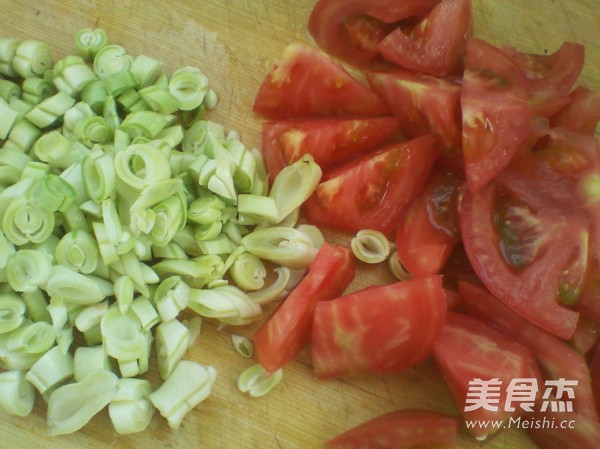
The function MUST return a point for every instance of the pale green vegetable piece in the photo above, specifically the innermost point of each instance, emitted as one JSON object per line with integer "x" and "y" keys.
{"x": 32, "y": 58}
{"x": 71, "y": 406}
{"x": 51, "y": 370}
{"x": 189, "y": 85}
{"x": 284, "y": 246}
{"x": 12, "y": 312}
{"x": 27, "y": 270}
{"x": 74, "y": 287}
{"x": 122, "y": 335}
{"x": 171, "y": 297}
{"x": 172, "y": 339}
{"x": 124, "y": 291}
{"x": 89, "y": 41}
{"x": 90, "y": 316}
{"x": 145, "y": 312}
{"x": 242, "y": 345}
{"x": 17, "y": 395}
{"x": 254, "y": 380}
{"x": 130, "y": 410}
{"x": 78, "y": 250}
{"x": 30, "y": 338}
{"x": 370, "y": 246}
{"x": 248, "y": 272}
{"x": 278, "y": 289}
{"x": 294, "y": 184}
{"x": 188, "y": 385}
{"x": 89, "y": 359}
{"x": 227, "y": 303}
{"x": 313, "y": 232}
{"x": 396, "y": 268}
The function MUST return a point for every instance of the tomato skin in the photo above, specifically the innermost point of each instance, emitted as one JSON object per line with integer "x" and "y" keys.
{"x": 470, "y": 349}
{"x": 550, "y": 78}
{"x": 586, "y": 335}
{"x": 400, "y": 429}
{"x": 595, "y": 374}
{"x": 429, "y": 229}
{"x": 424, "y": 104}
{"x": 520, "y": 245}
{"x": 436, "y": 46}
{"x": 379, "y": 329}
{"x": 328, "y": 25}
{"x": 330, "y": 140}
{"x": 581, "y": 114}
{"x": 557, "y": 358}
{"x": 496, "y": 115}
{"x": 288, "y": 330}
{"x": 373, "y": 191}
{"x": 306, "y": 82}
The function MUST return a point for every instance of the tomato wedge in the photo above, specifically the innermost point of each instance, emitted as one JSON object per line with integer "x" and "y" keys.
{"x": 330, "y": 141}
{"x": 424, "y": 104}
{"x": 557, "y": 358}
{"x": 581, "y": 114}
{"x": 429, "y": 229}
{"x": 595, "y": 374}
{"x": 401, "y": 429}
{"x": 351, "y": 29}
{"x": 288, "y": 330}
{"x": 435, "y": 46}
{"x": 469, "y": 350}
{"x": 379, "y": 329}
{"x": 550, "y": 78}
{"x": 373, "y": 191}
{"x": 496, "y": 115}
{"x": 306, "y": 82}
{"x": 586, "y": 335}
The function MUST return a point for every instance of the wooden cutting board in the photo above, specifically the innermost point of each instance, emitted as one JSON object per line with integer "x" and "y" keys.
{"x": 235, "y": 42}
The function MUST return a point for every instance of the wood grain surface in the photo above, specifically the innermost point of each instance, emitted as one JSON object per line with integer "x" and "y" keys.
{"x": 235, "y": 42}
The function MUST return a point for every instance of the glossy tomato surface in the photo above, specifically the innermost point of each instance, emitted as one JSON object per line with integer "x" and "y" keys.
{"x": 373, "y": 191}
{"x": 429, "y": 230}
{"x": 437, "y": 44}
{"x": 306, "y": 82}
{"x": 330, "y": 141}
{"x": 401, "y": 429}
{"x": 469, "y": 350}
{"x": 351, "y": 29}
{"x": 424, "y": 104}
{"x": 378, "y": 329}
{"x": 288, "y": 330}
{"x": 496, "y": 115}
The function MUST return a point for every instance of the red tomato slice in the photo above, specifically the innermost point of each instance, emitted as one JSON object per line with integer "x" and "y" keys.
{"x": 429, "y": 229}
{"x": 557, "y": 359}
{"x": 496, "y": 116}
{"x": 424, "y": 104}
{"x": 330, "y": 141}
{"x": 595, "y": 374}
{"x": 351, "y": 29}
{"x": 469, "y": 349}
{"x": 550, "y": 78}
{"x": 579, "y": 432}
{"x": 581, "y": 114}
{"x": 372, "y": 192}
{"x": 379, "y": 329}
{"x": 436, "y": 46}
{"x": 401, "y": 429}
{"x": 525, "y": 254}
{"x": 307, "y": 83}
{"x": 288, "y": 330}
{"x": 586, "y": 335}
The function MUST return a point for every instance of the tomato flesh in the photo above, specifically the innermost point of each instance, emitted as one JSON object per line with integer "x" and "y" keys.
{"x": 378, "y": 329}
{"x": 372, "y": 192}
{"x": 496, "y": 115}
{"x": 436, "y": 46}
{"x": 329, "y": 141}
{"x": 288, "y": 330}
{"x": 306, "y": 83}
{"x": 424, "y": 104}
{"x": 351, "y": 29}
{"x": 429, "y": 230}
{"x": 400, "y": 429}
{"x": 469, "y": 349}
{"x": 581, "y": 114}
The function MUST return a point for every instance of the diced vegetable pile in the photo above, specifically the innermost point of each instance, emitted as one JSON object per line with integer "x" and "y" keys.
{"x": 472, "y": 170}
{"x": 121, "y": 206}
